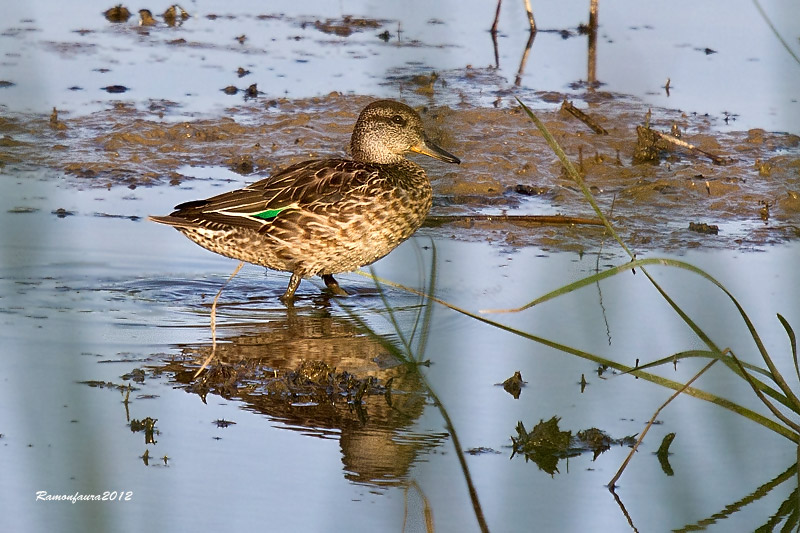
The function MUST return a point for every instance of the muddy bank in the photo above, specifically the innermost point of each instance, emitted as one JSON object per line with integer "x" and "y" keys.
{"x": 752, "y": 198}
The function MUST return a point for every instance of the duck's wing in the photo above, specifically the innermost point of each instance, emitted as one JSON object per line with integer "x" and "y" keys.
{"x": 308, "y": 186}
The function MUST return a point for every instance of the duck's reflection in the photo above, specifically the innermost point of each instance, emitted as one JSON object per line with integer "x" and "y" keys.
{"x": 322, "y": 375}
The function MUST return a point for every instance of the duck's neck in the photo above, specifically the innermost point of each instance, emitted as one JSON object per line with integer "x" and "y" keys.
{"x": 367, "y": 151}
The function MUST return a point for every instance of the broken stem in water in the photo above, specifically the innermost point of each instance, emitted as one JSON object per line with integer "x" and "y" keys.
{"x": 613, "y": 482}
{"x": 214, "y": 322}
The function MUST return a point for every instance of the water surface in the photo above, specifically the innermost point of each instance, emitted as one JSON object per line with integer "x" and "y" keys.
{"x": 95, "y": 299}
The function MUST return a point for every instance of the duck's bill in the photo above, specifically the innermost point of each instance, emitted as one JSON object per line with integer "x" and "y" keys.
{"x": 426, "y": 147}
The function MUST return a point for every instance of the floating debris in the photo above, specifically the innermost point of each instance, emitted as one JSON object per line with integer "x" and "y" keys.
{"x": 133, "y": 218}
{"x": 663, "y": 454}
{"x": 175, "y": 15}
{"x": 647, "y": 149}
{"x": 514, "y": 384}
{"x": 546, "y": 444}
{"x": 106, "y": 385}
{"x": 529, "y": 190}
{"x": 146, "y": 425}
{"x": 764, "y": 211}
{"x": 115, "y": 89}
{"x": 583, "y": 117}
{"x": 481, "y": 450}
{"x": 702, "y": 227}
{"x": 312, "y": 382}
{"x": 54, "y": 122}
{"x": 251, "y": 91}
{"x": 117, "y": 14}
{"x": 650, "y": 143}
{"x": 346, "y": 26}
{"x": 62, "y": 213}
{"x": 663, "y": 450}
{"x": 243, "y": 165}
{"x": 137, "y": 375}
{"x": 146, "y": 18}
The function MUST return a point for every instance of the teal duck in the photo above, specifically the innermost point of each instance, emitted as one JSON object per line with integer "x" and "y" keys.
{"x": 327, "y": 216}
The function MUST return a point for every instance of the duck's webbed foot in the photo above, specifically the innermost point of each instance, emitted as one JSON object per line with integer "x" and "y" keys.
{"x": 333, "y": 285}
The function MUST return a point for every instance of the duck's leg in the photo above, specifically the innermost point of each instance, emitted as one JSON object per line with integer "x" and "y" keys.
{"x": 288, "y": 296}
{"x": 333, "y": 285}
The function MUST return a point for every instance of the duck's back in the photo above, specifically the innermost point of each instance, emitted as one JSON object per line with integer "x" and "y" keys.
{"x": 316, "y": 217}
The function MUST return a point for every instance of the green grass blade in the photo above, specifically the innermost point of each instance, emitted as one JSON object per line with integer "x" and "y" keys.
{"x": 418, "y": 320}
{"x": 776, "y": 32}
{"x": 732, "y": 365}
{"x": 575, "y": 176}
{"x": 687, "y": 354}
{"x": 766, "y": 402}
{"x": 792, "y": 342}
{"x": 754, "y": 496}
{"x": 427, "y": 313}
{"x": 774, "y": 374}
{"x": 674, "y": 385}
{"x": 570, "y": 169}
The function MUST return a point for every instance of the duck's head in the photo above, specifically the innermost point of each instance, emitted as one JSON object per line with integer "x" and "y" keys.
{"x": 386, "y": 130}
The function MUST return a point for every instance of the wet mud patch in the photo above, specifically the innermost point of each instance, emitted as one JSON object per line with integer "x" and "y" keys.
{"x": 347, "y": 25}
{"x": 745, "y": 183}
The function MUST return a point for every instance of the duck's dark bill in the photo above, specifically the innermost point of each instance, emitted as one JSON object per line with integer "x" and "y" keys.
{"x": 430, "y": 149}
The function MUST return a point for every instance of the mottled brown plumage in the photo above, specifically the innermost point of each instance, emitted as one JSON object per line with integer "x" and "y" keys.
{"x": 324, "y": 216}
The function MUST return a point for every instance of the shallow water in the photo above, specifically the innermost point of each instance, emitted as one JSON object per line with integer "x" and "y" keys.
{"x": 93, "y": 298}
{"x": 75, "y": 312}
{"x": 53, "y": 47}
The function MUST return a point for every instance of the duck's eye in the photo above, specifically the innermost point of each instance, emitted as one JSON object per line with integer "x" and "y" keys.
{"x": 399, "y": 120}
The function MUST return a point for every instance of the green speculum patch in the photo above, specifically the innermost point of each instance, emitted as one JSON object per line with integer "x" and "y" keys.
{"x": 269, "y": 213}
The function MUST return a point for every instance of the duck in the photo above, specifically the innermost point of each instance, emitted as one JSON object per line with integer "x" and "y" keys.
{"x": 326, "y": 216}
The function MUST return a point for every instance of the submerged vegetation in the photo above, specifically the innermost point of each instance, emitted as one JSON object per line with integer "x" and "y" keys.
{"x": 546, "y": 443}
